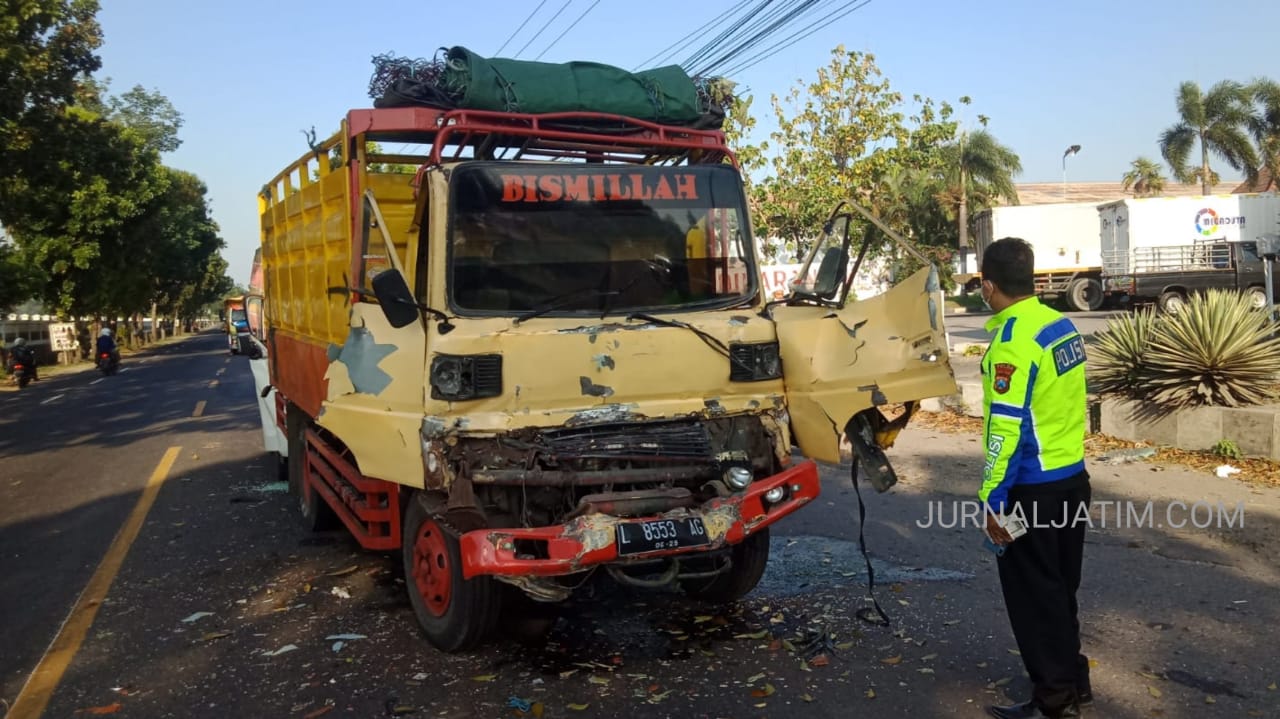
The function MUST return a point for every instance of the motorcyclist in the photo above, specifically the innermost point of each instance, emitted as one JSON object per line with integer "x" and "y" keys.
{"x": 22, "y": 353}
{"x": 107, "y": 345}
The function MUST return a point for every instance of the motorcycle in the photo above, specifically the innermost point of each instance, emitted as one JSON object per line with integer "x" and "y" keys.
{"x": 107, "y": 363}
{"x": 21, "y": 374}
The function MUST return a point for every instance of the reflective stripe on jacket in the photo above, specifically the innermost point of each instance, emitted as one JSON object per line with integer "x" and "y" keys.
{"x": 1033, "y": 390}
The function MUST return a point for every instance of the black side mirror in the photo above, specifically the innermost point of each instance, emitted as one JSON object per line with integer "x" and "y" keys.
{"x": 395, "y": 299}
{"x": 830, "y": 273}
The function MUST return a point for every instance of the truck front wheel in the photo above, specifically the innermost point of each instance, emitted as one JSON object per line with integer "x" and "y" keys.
{"x": 454, "y": 613}
{"x": 749, "y": 557}
{"x": 1171, "y": 302}
{"x": 1085, "y": 294}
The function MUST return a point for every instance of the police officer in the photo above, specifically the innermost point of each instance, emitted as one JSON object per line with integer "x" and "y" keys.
{"x": 1034, "y": 412}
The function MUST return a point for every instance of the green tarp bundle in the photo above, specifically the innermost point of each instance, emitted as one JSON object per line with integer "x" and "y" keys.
{"x": 664, "y": 94}
{"x": 466, "y": 80}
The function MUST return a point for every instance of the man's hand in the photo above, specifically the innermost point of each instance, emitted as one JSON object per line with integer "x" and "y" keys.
{"x": 997, "y": 533}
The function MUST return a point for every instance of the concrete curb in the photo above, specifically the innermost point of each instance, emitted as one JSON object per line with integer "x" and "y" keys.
{"x": 1254, "y": 430}
{"x": 967, "y": 401}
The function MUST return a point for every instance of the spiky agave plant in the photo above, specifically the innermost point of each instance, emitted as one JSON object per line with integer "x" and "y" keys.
{"x": 1116, "y": 358}
{"x": 1217, "y": 351}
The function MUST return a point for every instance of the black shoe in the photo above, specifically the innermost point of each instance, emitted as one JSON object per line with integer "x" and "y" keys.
{"x": 1029, "y": 710}
{"x": 1085, "y": 697}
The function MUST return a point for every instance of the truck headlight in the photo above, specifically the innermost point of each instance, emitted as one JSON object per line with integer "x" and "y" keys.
{"x": 737, "y": 477}
{"x": 462, "y": 377}
{"x": 755, "y": 361}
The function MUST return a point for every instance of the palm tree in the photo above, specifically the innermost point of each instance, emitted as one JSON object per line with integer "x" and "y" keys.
{"x": 978, "y": 170}
{"x": 1217, "y": 119}
{"x": 1265, "y": 127}
{"x": 1144, "y": 178}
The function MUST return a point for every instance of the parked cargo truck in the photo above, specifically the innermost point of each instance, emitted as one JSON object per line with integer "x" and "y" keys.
{"x": 1065, "y": 239}
{"x": 547, "y": 354}
{"x": 1162, "y": 250}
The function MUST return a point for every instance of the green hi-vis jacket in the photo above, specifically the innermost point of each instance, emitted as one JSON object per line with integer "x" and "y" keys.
{"x": 1033, "y": 391}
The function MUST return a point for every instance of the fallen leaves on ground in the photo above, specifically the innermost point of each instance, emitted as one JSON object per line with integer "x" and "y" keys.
{"x": 1254, "y": 470}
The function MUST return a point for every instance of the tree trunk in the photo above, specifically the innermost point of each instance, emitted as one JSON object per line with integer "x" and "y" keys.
{"x": 1204, "y": 167}
{"x": 963, "y": 213}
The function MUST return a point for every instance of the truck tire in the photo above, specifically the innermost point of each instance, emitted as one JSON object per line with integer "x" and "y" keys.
{"x": 1171, "y": 302}
{"x": 750, "y": 557}
{"x": 1085, "y": 294}
{"x": 1257, "y": 297}
{"x": 454, "y": 613}
{"x": 317, "y": 515}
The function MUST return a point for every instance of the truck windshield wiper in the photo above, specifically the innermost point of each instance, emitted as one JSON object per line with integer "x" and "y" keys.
{"x": 707, "y": 338}
{"x": 556, "y": 303}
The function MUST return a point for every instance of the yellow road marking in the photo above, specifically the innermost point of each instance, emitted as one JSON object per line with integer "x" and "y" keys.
{"x": 35, "y": 696}
{"x": 199, "y": 409}
{"x": 213, "y": 384}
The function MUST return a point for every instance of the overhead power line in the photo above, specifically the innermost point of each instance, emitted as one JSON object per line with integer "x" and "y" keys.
{"x": 517, "y": 32}
{"x": 804, "y": 32}
{"x": 544, "y": 27}
{"x": 761, "y": 31}
{"x": 566, "y": 30}
{"x": 717, "y": 41}
{"x": 667, "y": 52}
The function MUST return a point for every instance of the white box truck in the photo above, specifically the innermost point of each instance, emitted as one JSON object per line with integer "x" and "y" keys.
{"x": 1065, "y": 238}
{"x": 1160, "y": 249}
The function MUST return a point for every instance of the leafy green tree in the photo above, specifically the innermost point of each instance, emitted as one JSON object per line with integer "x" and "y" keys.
{"x": 46, "y": 49}
{"x": 16, "y": 277}
{"x": 1265, "y": 128}
{"x": 1217, "y": 120}
{"x": 1144, "y": 178}
{"x": 829, "y": 142}
{"x": 978, "y": 172}
{"x": 70, "y": 215}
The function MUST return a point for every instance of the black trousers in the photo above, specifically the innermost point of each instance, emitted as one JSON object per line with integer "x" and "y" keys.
{"x": 1039, "y": 575}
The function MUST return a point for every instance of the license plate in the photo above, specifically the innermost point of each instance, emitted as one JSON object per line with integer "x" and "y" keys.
{"x": 661, "y": 534}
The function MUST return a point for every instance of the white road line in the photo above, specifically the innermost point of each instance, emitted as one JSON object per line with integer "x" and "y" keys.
{"x": 126, "y": 369}
{"x": 54, "y": 398}
{"x": 97, "y": 380}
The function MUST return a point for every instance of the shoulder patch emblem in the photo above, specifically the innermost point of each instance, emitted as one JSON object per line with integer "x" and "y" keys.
{"x": 1003, "y": 377}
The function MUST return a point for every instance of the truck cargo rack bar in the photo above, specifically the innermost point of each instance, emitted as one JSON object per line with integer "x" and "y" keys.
{"x": 583, "y": 136}
{"x": 370, "y": 508}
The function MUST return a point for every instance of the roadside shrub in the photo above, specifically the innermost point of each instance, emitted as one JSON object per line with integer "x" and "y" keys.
{"x": 1116, "y": 358}
{"x": 1217, "y": 351}
{"x": 1227, "y": 449}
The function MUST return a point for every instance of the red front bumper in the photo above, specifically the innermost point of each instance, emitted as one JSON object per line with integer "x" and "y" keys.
{"x": 590, "y": 540}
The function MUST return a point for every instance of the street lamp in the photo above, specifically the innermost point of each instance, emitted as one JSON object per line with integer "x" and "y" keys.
{"x": 1070, "y": 151}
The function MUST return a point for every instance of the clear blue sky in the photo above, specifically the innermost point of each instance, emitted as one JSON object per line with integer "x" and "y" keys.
{"x": 248, "y": 76}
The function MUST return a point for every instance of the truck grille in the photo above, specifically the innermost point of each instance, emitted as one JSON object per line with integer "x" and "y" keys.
{"x": 658, "y": 442}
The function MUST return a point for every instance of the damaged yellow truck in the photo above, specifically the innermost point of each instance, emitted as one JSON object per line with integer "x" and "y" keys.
{"x": 533, "y": 347}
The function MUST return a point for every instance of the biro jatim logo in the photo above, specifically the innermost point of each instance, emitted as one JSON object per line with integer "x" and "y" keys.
{"x": 1208, "y": 222}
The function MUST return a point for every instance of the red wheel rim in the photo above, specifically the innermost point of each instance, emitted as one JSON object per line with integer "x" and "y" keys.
{"x": 431, "y": 571}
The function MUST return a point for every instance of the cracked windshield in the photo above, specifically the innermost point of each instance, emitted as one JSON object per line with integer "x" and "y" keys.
{"x": 736, "y": 359}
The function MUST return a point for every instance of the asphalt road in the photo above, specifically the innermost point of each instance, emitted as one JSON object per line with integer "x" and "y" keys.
{"x": 968, "y": 327}
{"x": 1181, "y": 623}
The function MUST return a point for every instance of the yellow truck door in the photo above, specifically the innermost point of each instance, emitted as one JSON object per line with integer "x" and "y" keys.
{"x": 375, "y": 398}
{"x": 840, "y": 358}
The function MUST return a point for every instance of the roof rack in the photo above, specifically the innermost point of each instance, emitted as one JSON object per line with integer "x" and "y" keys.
{"x": 577, "y": 136}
